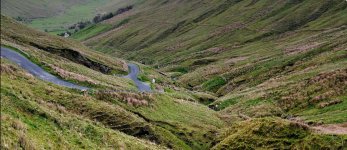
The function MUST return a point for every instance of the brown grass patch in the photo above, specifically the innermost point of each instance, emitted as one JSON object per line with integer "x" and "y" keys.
{"x": 70, "y": 75}
{"x": 132, "y": 99}
{"x": 236, "y": 59}
{"x": 8, "y": 69}
{"x": 329, "y": 103}
{"x": 104, "y": 35}
{"x": 174, "y": 47}
{"x": 18, "y": 125}
{"x": 320, "y": 88}
{"x": 25, "y": 143}
{"x": 228, "y": 28}
{"x": 301, "y": 48}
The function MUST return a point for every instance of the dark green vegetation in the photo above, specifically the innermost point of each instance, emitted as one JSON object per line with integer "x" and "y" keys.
{"x": 91, "y": 31}
{"x": 236, "y": 74}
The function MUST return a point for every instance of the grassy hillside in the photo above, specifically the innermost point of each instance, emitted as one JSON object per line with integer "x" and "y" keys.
{"x": 233, "y": 74}
{"x": 68, "y": 59}
{"x": 56, "y": 16}
{"x": 33, "y": 109}
{"x": 273, "y": 133}
{"x": 261, "y": 58}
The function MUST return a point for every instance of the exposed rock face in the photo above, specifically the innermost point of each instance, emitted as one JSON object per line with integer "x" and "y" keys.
{"x": 76, "y": 57}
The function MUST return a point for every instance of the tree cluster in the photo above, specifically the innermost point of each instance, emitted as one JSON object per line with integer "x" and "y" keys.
{"x": 99, "y": 18}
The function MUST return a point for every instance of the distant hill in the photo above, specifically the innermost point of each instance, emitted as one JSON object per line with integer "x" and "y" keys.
{"x": 55, "y": 16}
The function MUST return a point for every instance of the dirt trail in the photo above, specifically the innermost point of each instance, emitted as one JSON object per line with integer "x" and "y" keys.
{"x": 332, "y": 128}
{"x": 336, "y": 129}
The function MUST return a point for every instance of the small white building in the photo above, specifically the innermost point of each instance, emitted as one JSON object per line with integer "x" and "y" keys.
{"x": 66, "y": 35}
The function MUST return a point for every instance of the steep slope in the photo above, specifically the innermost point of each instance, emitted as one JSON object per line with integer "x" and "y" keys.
{"x": 271, "y": 79}
{"x": 56, "y": 16}
{"x": 262, "y": 58}
{"x": 107, "y": 115}
{"x": 68, "y": 59}
{"x": 33, "y": 111}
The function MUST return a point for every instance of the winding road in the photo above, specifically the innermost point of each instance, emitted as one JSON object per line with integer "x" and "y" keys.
{"x": 134, "y": 71}
{"x": 37, "y": 71}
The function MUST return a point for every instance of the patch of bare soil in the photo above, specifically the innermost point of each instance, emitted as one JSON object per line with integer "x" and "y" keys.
{"x": 335, "y": 129}
{"x": 175, "y": 47}
{"x": 340, "y": 129}
{"x": 228, "y": 28}
{"x": 236, "y": 59}
{"x": 301, "y": 48}
{"x": 104, "y": 35}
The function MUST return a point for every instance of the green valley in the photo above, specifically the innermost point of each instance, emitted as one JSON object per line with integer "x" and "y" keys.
{"x": 221, "y": 74}
{"x": 56, "y": 16}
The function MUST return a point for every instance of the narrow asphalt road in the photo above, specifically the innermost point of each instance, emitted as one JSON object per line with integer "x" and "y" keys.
{"x": 42, "y": 74}
{"x": 134, "y": 72}
{"x": 35, "y": 69}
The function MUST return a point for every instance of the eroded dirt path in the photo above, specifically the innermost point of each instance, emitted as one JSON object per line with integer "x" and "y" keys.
{"x": 332, "y": 129}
